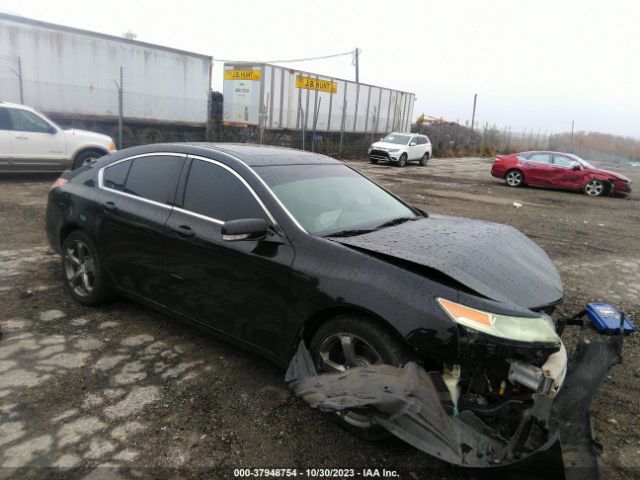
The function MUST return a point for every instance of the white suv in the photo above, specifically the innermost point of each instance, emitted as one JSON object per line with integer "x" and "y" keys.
{"x": 30, "y": 142}
{"x": 400, "y": 148}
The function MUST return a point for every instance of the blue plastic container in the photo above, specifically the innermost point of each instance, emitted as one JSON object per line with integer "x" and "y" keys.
{"x": 606, "y": 319}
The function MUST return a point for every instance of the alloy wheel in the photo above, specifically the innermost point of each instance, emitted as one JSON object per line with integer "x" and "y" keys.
{"x": 594, "y": 188}
{"x": 79, "y": 268}
{"x": 514, "y": 178}
{"x": 341, "y": 351}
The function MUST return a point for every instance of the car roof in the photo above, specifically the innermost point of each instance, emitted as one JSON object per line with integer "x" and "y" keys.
{"x": 253, "y": 155}
{"x": 15, "y": 105}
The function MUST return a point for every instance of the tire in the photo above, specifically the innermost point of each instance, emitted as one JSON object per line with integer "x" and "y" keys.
{"x": 372, "y": 343}
{"x": 514, "y": 178}
{"x": 85, "y": 157}
{"x": 424, "y": 159}
{"x": 402, "y": 161}
{"x": 594, "y": 188}
{"x": 82, "y": 270}
{"x": 373, "y": 160}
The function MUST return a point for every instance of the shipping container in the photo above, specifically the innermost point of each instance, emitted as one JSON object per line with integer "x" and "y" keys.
{"x": 275, "y": 98}
{"x": 67, "y": 71}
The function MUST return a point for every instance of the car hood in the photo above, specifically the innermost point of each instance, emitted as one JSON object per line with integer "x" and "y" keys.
{"x": 387, "y": 145}
{"x": 608, "y": 173}
{"x": 496, "y": 261}
{"x": 89, "y": 135}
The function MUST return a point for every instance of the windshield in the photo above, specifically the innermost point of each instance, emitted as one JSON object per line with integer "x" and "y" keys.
{"x": 327, "y": 199}
{"x": 395, "y": 138}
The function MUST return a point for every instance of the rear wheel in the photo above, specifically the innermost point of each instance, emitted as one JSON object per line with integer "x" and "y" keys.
{"x": 514, "y": 178}
{"x": 353, "y": 340}
{"x": 594, "y": 188}
{"x": 402, "y": 161}
{"x": 424, "y": 159}
{"x": 82, "y": 269}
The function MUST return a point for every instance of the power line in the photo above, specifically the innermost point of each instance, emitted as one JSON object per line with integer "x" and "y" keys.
{"x": 323, "y": 57}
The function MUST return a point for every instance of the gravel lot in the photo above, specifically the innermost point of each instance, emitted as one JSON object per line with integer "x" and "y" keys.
{"x": 122, "y": 391}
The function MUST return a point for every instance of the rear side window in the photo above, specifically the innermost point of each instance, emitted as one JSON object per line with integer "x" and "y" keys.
{"x": 116, "y": 175}
{"x": 4, "y": 120}
{"x": 25, "y": 121}
{"x": 217, "y": 193}
{"x": 154, "y": 177}
{"x": 421, "y": 140}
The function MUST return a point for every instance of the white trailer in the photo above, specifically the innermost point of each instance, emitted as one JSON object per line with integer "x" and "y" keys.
{"x": 67, "y": 71}
{"x": 275, "y": 98}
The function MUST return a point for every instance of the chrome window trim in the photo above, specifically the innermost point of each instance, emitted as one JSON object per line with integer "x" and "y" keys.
{"x": 129, "y": 195}
{"x": 198, "y": 215}
{"x": 264, "y": 184}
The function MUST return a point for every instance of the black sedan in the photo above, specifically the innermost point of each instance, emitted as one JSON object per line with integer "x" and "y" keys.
{"x": 270, "y": 247}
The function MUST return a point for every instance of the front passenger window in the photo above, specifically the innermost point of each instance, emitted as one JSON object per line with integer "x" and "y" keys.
{"x": 218, "y": 194}
{"x": 562, "y": 161}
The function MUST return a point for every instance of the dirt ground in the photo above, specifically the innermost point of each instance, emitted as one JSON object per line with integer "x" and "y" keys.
{"x": 122, "y": 391}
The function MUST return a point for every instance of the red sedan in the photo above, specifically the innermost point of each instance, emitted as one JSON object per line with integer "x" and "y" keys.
{"x": 559, "y": 170}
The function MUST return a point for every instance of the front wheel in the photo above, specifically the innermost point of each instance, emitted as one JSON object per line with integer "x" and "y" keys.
{"x": 402, "y": 161}
{"x": 594, "y": 188}
{"x": 373, "y": 160}
{"x": 82, "y": 269}
{"x": 353, "y": 340}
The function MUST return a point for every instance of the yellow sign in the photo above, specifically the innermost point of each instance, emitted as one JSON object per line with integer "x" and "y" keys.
{"x": 315, "y": 84}
{"x": 242, "y": 74}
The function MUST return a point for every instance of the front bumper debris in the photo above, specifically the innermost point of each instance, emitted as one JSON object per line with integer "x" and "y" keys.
{"x": 411, "y": 403}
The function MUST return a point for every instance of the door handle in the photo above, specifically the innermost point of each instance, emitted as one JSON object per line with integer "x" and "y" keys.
{"x": 183, "y": 231}
{"x": 109, "y": 206}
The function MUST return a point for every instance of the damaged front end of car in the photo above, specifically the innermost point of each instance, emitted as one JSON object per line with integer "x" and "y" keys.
{"x": 499, "y": 408}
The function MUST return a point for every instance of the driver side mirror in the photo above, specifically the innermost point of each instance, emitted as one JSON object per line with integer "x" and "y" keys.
{"x": 577, "y": 167}
{"x": 244, "y": 229}
{"x": 412, "y": 144}
{"x": 52, "y": 130}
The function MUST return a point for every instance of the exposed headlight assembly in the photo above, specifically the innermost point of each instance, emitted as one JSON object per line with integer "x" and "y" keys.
{"x": 394, "y": 150}
{"x": 522, "y": 329}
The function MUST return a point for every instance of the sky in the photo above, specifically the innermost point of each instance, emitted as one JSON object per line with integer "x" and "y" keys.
{"x": 536, "y": 65}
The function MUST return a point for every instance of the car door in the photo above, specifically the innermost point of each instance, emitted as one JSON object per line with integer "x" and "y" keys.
{"x": 239, "y": 287}
{"x": 421, "y": 145}
{"x": 564, "y": 175}
{"x": 135, "y": 201}
{"x": 414, "y": 148}
{"x": 5, "y": 139}
{"x": 537, "y": 169}
{"x": 36, "y": 144}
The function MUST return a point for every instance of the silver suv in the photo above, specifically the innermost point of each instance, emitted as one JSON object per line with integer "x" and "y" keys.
{"x": 400, "y": 148}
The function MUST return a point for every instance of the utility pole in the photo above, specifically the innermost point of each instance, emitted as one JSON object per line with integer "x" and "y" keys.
{"x": 357, "y": 63}
{"x": 572, "y": 123}
{"x": 20, "y": 79}
{"x": 473, "y": 116}
{"x": 120, "y": 107}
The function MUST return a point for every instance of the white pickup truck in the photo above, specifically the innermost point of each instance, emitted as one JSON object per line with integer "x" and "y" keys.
{"x": 30, "y": 142}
